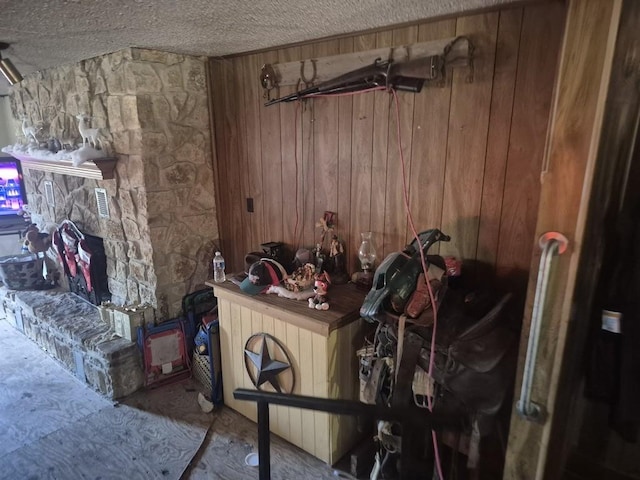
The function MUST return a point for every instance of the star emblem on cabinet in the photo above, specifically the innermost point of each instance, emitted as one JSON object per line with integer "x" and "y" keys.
{"x": 261, "y": 364}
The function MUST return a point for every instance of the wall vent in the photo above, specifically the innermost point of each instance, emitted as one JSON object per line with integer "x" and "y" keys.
{"x": 103, "y": 202}
{"x": 48, "y": 193}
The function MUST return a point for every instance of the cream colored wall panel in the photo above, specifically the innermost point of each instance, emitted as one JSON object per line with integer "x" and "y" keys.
{"x": 343, "y": 362}
{"x": 295, "y": 414}
{"x": 283, "y": 420}
{"x": 320, "y": 389}
{"x": 306, "y": 385}
{"x": 226, "y": 346}
{"x": 320, "y": 366}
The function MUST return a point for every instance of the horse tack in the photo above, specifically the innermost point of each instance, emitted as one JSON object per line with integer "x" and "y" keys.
{"x": 268, "y": 80}
{"x": 308, "y": 82}
{"x": 473, "y": 364}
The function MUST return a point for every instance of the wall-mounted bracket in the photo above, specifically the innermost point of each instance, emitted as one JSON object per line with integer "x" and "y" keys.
{"x": 452, "y": 52}
{"x": 453, "y": 58}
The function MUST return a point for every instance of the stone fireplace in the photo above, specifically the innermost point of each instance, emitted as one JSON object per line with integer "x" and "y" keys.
{"x": 152, "y": 108}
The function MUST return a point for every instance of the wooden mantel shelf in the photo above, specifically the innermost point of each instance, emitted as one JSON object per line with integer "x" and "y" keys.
{"x": 99, "y": 169}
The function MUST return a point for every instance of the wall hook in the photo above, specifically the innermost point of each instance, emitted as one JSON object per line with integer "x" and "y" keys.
{"x": 469, "y": 57}
{"x": 268, "y": 80}
{"x": 309, "y": 81}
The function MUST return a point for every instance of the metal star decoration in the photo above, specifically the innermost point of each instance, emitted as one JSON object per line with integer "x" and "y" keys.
{"x": 268, "y": 368}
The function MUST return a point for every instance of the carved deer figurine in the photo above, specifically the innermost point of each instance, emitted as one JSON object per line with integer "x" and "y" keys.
{"x": 91, "y": 135}
{"x": 29, "y": 131}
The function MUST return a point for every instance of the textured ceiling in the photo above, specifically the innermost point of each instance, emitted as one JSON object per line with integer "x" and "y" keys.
{"x": 45, "y": 33}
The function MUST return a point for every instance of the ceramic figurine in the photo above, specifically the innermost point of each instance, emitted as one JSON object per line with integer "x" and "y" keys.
{"x": 320, "y": 288}
{"x": 90, "y": 135}
{"x": 29, "y": 131}
{"x": 337, "y": 262}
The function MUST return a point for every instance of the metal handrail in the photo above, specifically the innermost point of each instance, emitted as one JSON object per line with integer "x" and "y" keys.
{"x": 409, "y": 418}
{"x": 552, "y": 244}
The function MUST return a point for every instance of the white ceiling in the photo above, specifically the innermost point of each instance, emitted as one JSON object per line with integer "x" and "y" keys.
{"x": 46, "y": 33}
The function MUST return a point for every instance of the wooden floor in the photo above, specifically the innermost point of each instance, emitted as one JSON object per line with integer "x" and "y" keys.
{"x": 54, "y": 427}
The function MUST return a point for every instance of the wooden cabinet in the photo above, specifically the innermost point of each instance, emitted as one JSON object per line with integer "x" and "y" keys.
{"x": 322, "y": 348}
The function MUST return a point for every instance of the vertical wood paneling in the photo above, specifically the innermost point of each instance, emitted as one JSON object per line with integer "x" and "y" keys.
{"x": 246, "y": 326}
{"x": 295, "y": 414}
{"x": 471, "y": 148}
{"x": 466, "y": 145}
{"x": 574, "y": 134}
{"x": 381, "y": 111}
{"x": 341, "y": 347}
{"x": 361, "y": 160}
{"x": 291, "y": 148}
{"x": 307, "y": 114}
{"x": 429, "y": 142}
{"x": 250, "y": 125}
{"x": 225, "y": 110}
{"x": 504, "y": 79}
{"x": 271, "y": 164}
{"x": 283, "y": 420}
{"x": 279, "y": 418}
{"x": 534, "y": 87}
{"x": 400, "y": 132}
{"x": 335, "y": 377}
{"x": 226, "y": 345}
{"x": 306, "y": 385}
{"x": 344, "y": 121}
{"x": 325, "y": 138}
{"x": 320, "y": 389}
{"x": 238, "y": 337}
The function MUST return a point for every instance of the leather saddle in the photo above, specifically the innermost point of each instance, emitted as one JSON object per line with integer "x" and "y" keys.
{"x": 474, "y": 359}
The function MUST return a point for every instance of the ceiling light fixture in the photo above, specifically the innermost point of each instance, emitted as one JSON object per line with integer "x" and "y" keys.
{"x": 7, "y": 68}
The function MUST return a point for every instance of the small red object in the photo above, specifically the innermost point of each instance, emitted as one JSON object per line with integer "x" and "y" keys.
{"x": 209, "y": 318}
{"x": 454, "y": 266}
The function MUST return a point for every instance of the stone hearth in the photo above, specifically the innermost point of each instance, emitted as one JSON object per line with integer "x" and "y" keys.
{"x": 71, "y": 330}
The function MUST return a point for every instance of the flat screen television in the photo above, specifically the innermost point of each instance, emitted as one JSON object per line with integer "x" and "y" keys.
{"x": 12, "y": 192}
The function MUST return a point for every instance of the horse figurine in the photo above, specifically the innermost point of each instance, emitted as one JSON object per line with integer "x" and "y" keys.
{"x": 90, "y": 135}
{"x": 29, "y": 131}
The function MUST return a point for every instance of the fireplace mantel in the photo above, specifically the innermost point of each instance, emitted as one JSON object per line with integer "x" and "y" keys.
{"x": 99, "y": 169}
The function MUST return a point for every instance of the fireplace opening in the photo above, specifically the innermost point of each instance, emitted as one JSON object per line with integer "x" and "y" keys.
{"x": 84, "y": 262}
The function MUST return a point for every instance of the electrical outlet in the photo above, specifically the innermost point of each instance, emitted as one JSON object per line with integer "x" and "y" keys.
{"x": 249, "y": 204}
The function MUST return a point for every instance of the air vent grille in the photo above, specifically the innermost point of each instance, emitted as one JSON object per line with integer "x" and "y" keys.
{"x": 103, "y": 202}
{"x": 48, "y": 193}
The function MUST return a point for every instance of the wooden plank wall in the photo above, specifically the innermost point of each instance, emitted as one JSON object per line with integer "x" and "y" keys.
{"x": 535, "y": 450}
{"x": 472, "y": 151}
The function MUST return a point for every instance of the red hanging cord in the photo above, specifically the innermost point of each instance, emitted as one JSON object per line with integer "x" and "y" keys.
{"x": 424, "y": 270}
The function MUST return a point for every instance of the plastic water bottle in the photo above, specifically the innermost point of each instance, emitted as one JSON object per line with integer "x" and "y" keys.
{"x": 218, "y": 268}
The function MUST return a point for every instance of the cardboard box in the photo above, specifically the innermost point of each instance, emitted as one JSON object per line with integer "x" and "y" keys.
{"x": 126, "y": 320}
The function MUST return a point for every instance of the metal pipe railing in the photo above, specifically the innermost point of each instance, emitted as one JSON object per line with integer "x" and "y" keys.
{"x": 552, "y": 244}
{"x": 409, "y": 418}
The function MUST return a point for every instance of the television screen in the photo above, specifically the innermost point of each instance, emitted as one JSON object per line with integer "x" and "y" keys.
{"x": 12, "y": 194}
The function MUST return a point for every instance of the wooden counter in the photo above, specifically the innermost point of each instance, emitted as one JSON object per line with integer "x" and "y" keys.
{"x": 344, "y": 302}
{"x": 322, "y": 347}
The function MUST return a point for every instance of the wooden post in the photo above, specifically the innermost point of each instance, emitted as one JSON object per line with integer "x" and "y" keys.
{"x": 574, "y": 132}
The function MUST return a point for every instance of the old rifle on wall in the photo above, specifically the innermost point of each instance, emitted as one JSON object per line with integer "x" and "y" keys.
{"x": 407, "y": 76}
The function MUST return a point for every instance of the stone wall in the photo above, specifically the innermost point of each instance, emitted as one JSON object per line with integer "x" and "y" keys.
{"x": 153, "y": 110}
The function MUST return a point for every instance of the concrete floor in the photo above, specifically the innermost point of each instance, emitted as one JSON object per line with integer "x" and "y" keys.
{"x": 54, "y": 427}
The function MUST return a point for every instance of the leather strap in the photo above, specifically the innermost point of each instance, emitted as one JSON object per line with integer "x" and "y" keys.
{"x": 406, "y": 365}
